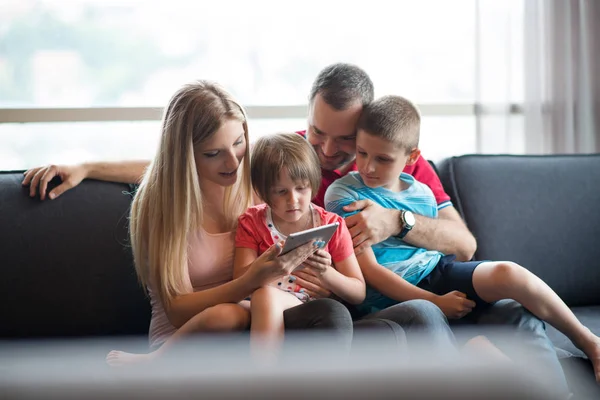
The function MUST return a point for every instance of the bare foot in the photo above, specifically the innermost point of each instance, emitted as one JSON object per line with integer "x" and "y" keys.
{"x": 120, "y": 358}
{"x": 591, "y": 348}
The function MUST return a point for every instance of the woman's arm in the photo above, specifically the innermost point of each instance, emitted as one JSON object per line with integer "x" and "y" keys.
{"x": 242, "y": 260}
{"x": 264, "y": 269}
{"x": 182, "y": 308}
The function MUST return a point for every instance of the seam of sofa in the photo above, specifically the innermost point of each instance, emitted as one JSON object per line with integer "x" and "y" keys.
{"x": 459, "y": 206}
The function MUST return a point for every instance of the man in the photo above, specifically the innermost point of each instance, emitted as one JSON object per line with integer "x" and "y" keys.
{"x": 336, "y": 100}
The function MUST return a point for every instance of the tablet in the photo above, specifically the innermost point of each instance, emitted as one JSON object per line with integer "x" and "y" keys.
{"x": 324, "y": 233}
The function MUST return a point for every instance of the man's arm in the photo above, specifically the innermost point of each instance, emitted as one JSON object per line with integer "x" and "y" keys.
{"x": 447, "y": 233}
{"x": 72, "y": 175}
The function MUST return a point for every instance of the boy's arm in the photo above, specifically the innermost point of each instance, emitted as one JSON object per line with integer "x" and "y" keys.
{"x": 72, "y": 175}
{"x": 453, "y": 304}
{"x": 388, "y": 283}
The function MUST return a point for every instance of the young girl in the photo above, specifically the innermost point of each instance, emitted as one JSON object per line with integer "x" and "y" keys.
{"x": 285, "y": 174}
{"x": 182, "y": 226}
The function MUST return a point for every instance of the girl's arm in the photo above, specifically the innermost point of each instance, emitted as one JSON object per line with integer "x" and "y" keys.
{"x": 345, "y": 280}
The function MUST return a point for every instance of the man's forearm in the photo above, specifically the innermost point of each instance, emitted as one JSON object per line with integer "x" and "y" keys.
{"x": 447, "y": 236}
{"x": 117, "y": 171}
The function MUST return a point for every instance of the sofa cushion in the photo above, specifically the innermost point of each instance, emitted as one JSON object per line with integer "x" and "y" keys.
{"x": 539, "y": 211}
{"x": 67, "y": 268}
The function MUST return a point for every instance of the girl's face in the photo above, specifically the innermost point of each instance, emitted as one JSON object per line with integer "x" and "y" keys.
{"x": 218, "y": 158}
{"x": 289, "y": 200}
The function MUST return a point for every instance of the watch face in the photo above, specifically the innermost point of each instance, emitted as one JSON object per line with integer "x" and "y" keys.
{"x": 409, "y": 218}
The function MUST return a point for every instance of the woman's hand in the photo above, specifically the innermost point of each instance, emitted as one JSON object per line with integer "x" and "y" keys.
{"x": 270, "y": 265}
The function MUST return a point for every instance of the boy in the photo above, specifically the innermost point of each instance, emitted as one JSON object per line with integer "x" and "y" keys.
{"x": 395, "y": 271}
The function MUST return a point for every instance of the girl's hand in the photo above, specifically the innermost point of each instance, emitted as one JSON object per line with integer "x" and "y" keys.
{"x": 270, "y": 266}
{"x": 319, "y": 262}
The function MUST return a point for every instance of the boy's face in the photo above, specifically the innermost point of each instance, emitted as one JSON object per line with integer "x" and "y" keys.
{"x": 381, "y": 162}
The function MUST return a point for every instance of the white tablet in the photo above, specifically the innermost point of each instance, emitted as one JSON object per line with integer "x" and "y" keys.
{"x": 324, "y": 233}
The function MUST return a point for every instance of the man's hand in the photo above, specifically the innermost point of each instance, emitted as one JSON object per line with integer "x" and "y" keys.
{"x": 373, "y": 224}
{"x": 454, "y": 305}
{"x": 38, "y": 178}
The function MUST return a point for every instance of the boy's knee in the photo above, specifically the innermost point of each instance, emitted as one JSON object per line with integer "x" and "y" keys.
{"x": 506, "y": 273}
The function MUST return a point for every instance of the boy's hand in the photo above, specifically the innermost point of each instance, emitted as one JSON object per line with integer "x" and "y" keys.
{"x": 455, "y": 304}
{"x": 373, "y": 224}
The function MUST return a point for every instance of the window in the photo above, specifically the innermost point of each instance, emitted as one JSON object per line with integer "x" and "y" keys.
{"x": 134, "y": 53}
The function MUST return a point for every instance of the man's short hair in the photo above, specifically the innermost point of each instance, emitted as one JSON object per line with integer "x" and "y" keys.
{"x": 283, "y": 151}
{"x": 392, "y": 118}
{"x": 342, "y": 85}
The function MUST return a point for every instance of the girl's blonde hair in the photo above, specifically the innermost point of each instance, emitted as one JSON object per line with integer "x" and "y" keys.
{"x": 168, "y": 203}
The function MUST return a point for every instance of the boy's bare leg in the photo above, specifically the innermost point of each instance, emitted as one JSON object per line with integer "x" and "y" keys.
{"x": 500, "y": 280}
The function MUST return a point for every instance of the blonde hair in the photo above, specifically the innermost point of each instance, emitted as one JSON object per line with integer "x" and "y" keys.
{"x": 168, "y": 203}
{"x": 283, "y": 151}
{"x": 393, "y": 118}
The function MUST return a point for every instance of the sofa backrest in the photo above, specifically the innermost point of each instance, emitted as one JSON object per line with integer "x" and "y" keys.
{"x": 66, "y": 267}
{"x": 539, "y": 211}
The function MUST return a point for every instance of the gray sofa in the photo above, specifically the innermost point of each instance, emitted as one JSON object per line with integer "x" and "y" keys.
{"x": 67, "y": 270}
{"x": 543, "y": 213}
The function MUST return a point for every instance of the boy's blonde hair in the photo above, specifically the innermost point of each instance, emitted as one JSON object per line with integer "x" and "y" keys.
{"x": 283, "y": 151}
{"x": 168, "y": 204}
{"x": 392, "y": 118}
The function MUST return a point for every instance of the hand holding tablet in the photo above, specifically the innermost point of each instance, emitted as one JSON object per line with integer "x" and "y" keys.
{"x": 322, "y": 233}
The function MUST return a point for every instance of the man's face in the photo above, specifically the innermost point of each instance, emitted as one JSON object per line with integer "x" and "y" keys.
{"x": 332, "y": 133}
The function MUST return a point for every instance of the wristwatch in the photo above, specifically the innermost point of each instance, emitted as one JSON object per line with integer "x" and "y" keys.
{"x": 408, "y": 222}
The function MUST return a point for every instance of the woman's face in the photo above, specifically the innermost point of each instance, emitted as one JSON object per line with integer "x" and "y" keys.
{"x": 218, "y": 158}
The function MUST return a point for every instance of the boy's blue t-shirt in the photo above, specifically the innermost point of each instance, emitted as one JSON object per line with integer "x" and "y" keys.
{"x": 411, "y": 263}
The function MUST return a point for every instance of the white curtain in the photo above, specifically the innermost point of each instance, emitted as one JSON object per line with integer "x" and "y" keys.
{"x": 538, "y": 76}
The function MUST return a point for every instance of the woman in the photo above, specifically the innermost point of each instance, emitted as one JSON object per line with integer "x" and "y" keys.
{"x": 183, "y": 221}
